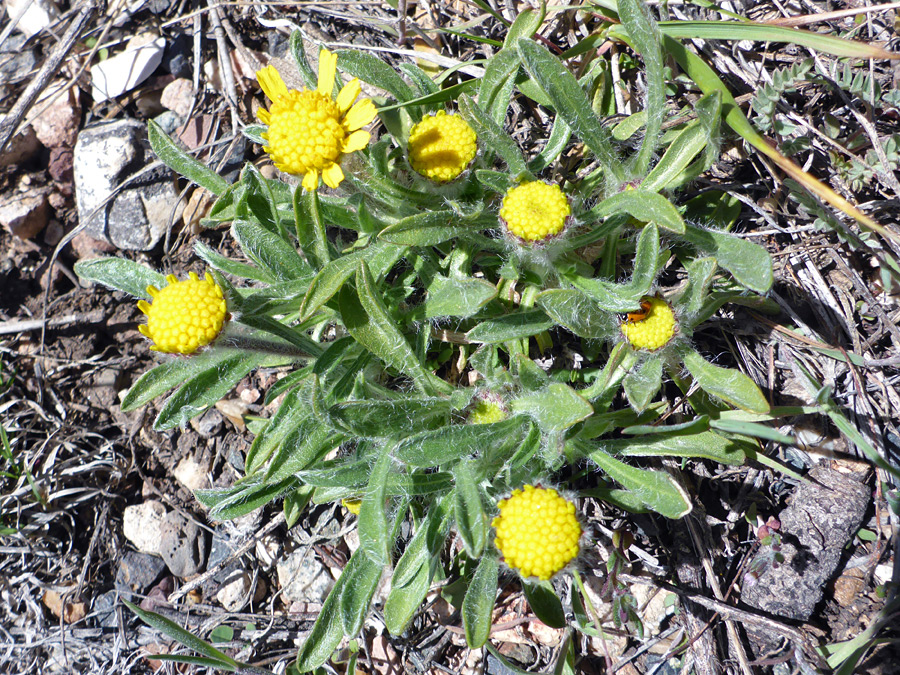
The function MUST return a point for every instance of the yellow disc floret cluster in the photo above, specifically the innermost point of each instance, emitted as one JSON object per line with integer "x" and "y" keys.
{"x": 653, "y": 328}
{"x": 535, "y": 211}
{"x": 308, "y": 132}
{"x": 537, "y": 531}
{"x": 487, "y": 411}
{"x": 441, "y": 146}
{"x": 185, "y": 315}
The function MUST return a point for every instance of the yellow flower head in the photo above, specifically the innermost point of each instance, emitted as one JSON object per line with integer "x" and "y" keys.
{"x": 537, "y": 531}
{"x": 535, "y": 211}
{"x": 651, "y": 328}
{"x": 308, "y": 131}
{"x": 487, "y": 411}
{"x": 441, "y": 146}
{"x": 185, "y": 315}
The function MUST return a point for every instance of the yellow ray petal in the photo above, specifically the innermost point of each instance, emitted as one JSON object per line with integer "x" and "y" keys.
{"x": 356, "y": 141}
{"x": 360, "y": 115}
{"x": 263, "y": 116}
{"x": 272, "y": 84}
{"x": 311, "y": 180}
{"x": 333, "y": 175}
{"x": 144, "y": 330}
{"x": 327, "y": 70}
{"x": 348, "y": 95}
{"x": 171, "y": 278}
{"x": 144, "y": 306}
{"x": 152, "y": 291}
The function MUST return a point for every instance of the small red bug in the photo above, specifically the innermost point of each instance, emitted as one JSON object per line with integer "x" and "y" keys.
{"x": 641, "y": 314}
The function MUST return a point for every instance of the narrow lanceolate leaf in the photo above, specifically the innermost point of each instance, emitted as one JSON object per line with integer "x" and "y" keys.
{"x": 493, "y": 138}
{"x": 688, "y": 443}
{"x": 656, "y": 489}
{"x": 332, "y": 277}
{"x": 686, "y": 146}
{"x": 229, "y": 266}
{"x": 293, "y": 410}
{"x": 428, "y": 229}
{"x": 417, "y": 567}
{"x": 645, "y": 35}
{"x": 471, "y": 520}
{"x": 642, "y": 383}
{"x": 304, "y": 444}
{"x": 748, "y": 263}
{"x": 576, "y": 312}
{"x": 182, "y": 163}
{"x": 120, "y": 274}
{"x": 269, "y": 251}
{"x": 625, "y": 297}
{"x": 557, "y": 408}
{"x": 497, "y": 84}
{"x": 375, "y": 71}
{"x": 478, "y": 602}
{"x": 544, "y": 603}
{"x": 328, "y": 630}
{"x": 204, "y": 389}
{"x": 730, "y": 385}
{"x": 510, "y": 327}
{"x": 646, "y": 206}
{"x": 457, "y": 296}
{"x": 570, "y": 102}
{"x": 357, "y": 596}
{"x": 373, "y": 526}
{"x": 766, "y": 32}
{"x": 450, "y": 443}
{"x": 168, "y": 375}
{"x": 366, "y": 317}
{"x": 375, "y": 419}
{"x": 188, "y": 639}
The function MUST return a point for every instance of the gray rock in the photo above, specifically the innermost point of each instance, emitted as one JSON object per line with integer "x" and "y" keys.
{"x": 17, "y": 60}
{"x": 137, "y": 572}
{"x": 303, "y": 578}
{"x": 168, "y": 121}
{"x": 104, "y": 609}
{"x": 136, "y": 217}
{"x": 183, "y": 546}
{"x": 822, "y": 518}
{"x": 177, "y": 59}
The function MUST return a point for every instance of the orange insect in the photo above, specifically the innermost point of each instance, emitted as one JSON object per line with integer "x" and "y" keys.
{"x": 640, "y": 315}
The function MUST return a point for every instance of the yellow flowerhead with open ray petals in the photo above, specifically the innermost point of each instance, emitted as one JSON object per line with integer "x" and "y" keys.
{"x": 185, "y": 315}
{"x": 308, "y": 131}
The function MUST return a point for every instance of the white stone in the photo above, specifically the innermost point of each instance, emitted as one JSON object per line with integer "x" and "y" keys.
{"x": 142, "y": 526}
{"x": 303, "y": 578}
{"x": 126, "y": 70}
{"x": 192, "y": 474}
{"x": 38, "y": 14}
{"x": 235, "y": 592}
{"x": 134, "y": 218}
